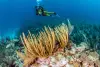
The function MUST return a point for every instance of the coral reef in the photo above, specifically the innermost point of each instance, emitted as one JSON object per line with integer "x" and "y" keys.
{"x": 8, "y": 56}
{"x": 89, "y": 34}
{"x": 60, "y": 46}
{"x": 53, "y": 48}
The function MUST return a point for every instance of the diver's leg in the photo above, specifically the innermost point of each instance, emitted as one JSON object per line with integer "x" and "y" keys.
{"x": 51, "y": 12}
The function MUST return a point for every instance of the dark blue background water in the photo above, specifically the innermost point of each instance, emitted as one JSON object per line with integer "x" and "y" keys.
{"x": 16, "y": 14}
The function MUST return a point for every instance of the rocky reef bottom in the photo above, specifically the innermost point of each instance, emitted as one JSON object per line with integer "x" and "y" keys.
{"x": 79, "y": 56}
{"x": 75, "y": 57}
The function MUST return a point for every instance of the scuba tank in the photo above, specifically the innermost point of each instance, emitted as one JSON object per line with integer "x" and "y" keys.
{"x": 38, "y": 2}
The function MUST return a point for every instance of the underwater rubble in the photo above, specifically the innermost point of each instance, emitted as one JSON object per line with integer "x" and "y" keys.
{"x": 64, "y": 45}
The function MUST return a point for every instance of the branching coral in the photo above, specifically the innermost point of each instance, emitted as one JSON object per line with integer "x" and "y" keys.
{"x": 47, "y": 38}
{"x": 43, "y": 45}
{"x": 62, "y": 35}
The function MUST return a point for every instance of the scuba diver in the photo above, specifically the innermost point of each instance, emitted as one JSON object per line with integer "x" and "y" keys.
{"x": 41, "y": 12}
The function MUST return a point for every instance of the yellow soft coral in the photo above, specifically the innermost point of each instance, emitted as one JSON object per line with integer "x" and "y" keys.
{"x": 62, "y": 35}
{"x": 47, "y": 38}
{"x": 43, "y": 45}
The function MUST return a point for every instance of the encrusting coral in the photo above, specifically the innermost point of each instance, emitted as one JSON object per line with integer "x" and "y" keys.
{"x": 44, "y": 44}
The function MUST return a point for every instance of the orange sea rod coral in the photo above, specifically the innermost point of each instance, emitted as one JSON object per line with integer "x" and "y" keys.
{"x": 61, "y": 33}
{"x": 43, "y": 45}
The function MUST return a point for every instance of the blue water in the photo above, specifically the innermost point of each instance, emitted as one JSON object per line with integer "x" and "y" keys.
{"x": 16, "y": 14}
